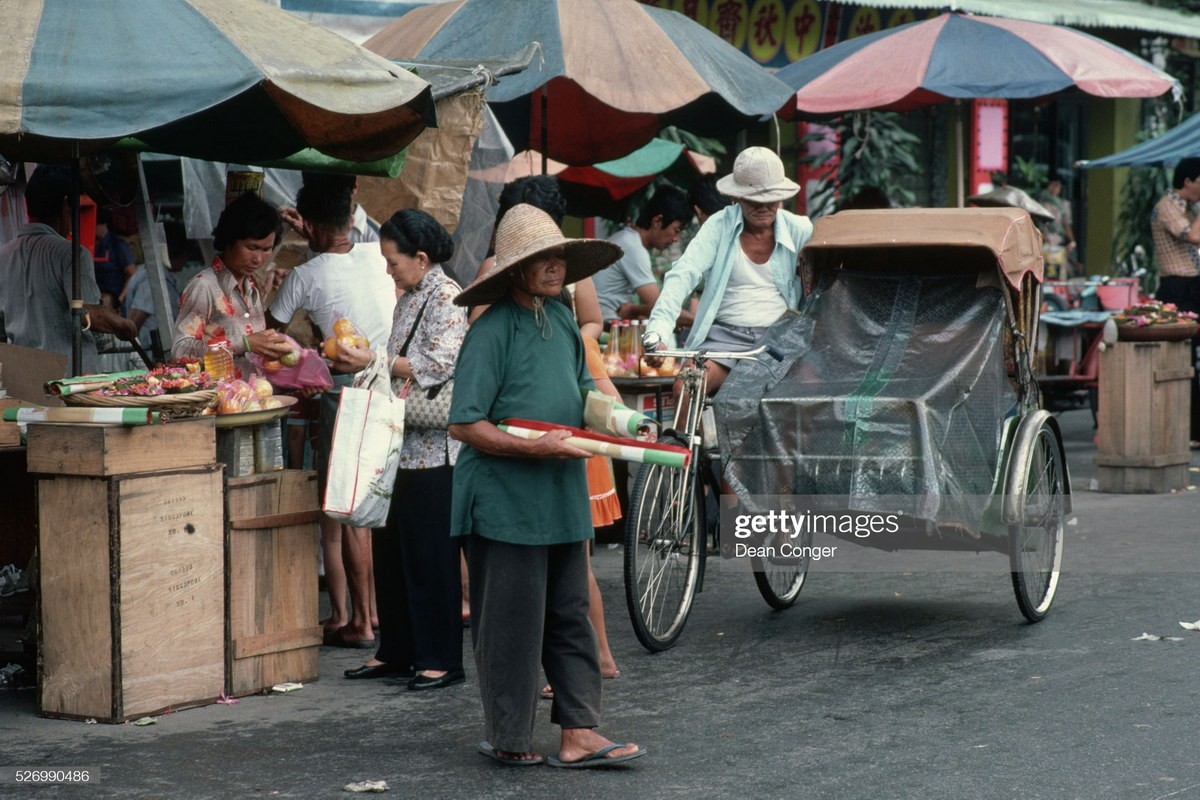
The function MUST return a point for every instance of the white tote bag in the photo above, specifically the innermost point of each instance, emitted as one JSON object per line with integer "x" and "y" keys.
{"x": 367, "y": 438}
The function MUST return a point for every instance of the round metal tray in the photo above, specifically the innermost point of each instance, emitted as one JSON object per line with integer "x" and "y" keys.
{"x": 256, "y": 417}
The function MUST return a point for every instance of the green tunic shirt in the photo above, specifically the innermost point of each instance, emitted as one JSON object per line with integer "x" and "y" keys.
{"x": 507, "y": 369}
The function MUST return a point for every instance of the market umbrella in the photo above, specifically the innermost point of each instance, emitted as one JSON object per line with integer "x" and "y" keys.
{"x": 226, "y": 80}
{"x": 610, "y": 75}
{"x": 601, "y": 190}
{"x": 956, "y": 57}
{"x": 1180, "y": 142}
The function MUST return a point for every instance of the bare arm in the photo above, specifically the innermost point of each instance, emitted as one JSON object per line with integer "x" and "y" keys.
{"x": 106, "y": 320}
{"x": 648, "y": 294}
{"x": 487, "y": 438}
{"x": 587, "y": 309}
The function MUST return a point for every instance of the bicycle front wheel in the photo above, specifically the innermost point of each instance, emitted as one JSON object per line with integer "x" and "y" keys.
{"x": 781, "y": 577}
{"x": 663, "y": 541}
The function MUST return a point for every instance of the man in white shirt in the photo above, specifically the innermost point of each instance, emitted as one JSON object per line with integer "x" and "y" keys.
{"x": 657, "y": 227}
{"x": 344, "y": 280}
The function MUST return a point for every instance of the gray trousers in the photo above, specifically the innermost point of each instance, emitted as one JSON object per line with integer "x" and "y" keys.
{"x": 529, "y": 604}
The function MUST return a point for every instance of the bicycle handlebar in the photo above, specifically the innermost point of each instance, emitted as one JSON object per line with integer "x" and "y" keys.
{"x": 710, "y": 354}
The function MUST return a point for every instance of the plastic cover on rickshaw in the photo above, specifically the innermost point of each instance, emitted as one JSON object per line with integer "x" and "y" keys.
{"x": 894, "y": 382}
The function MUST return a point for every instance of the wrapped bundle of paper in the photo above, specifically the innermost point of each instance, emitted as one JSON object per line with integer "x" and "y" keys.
{"x": 87, "y": 383}
{"x": 120, "y": 416}
{"x": 601, "y": 445}
{"x": 605, "y": 414}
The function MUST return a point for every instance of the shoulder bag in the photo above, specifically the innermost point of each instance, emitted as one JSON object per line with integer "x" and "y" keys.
{"x": 427, "y": 409}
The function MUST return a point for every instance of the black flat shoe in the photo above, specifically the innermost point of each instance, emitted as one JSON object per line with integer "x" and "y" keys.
{"x": 377, "y": 671}
{"x": 422, "y": 682}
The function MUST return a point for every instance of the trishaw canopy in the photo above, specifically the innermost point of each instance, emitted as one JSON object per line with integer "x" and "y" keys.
{"x": 981, "y": 237}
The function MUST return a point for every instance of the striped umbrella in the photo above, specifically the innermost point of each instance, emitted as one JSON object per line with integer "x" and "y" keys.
{"x": 955, "y": 56}
{"x": 226, "y": 80}
{"x": 610, "y": 75}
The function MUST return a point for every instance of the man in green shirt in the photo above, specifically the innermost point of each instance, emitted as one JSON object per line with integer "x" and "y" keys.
{"x": 524, "y": 503}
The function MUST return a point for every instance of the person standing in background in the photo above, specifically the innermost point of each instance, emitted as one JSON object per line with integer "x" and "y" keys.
{"x": 1175, "y": 228}
{"x": 36, "y": 280}
{"x": 344, "y": 280}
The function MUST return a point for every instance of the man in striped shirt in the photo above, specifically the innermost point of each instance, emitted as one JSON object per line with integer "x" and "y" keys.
{"x": 1175, "y": 227}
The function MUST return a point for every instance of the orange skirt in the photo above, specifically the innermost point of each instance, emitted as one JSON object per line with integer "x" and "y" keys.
{"x": 602, "y": 490}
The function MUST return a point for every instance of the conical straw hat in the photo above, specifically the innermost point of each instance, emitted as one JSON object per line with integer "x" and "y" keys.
{"x": 524, "y": 232}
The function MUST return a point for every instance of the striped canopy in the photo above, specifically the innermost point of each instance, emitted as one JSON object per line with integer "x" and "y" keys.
{"x": 615, "y": 71}
{"x": 958, "y": 56}
{"x": 226, "y": 80}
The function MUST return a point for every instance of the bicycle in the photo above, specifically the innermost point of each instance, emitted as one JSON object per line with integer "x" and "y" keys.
{"x": 667, "y": 531}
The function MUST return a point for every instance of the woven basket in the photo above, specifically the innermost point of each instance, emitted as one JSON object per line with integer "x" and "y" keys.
{"x": 1169, "y": 332}
{"x": 189, "y": 404}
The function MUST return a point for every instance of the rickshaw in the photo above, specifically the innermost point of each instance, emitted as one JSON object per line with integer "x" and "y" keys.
{"x": 905, "y": 384}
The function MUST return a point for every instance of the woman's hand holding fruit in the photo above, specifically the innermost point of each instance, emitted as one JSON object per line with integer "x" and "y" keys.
{"x": 271, "y": 344}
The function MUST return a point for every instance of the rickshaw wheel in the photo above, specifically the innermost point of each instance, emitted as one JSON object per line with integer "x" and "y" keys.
{"x": 1036, "y": 483}
{"x": 664, "y": 535}
{"x": 780, "y": 579}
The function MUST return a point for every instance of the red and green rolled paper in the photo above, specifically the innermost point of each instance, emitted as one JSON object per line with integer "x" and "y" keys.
{"x": 599, "y": 444}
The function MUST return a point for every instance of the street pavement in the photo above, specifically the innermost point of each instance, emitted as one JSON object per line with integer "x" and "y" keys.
{"x": 874, "y": 686}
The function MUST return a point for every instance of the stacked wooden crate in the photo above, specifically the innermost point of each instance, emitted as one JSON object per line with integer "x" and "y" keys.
{"x": 131, "y": 582}
{"x": 273, "y": 633}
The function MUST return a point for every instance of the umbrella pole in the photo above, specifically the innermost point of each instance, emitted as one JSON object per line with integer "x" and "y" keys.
{"x": 545, "y": 101}
{"x": 959, "y": 158}
{"x": 76, "y": 268}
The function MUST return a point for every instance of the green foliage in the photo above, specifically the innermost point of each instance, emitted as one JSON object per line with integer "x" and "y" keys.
{"x": 1146, "y": 185}
{"x": 1032, "y": 176}
{"x": 875, "y": 150}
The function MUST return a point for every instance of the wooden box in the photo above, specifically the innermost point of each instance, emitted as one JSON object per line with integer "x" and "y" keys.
{"x": 105, "y": 450}
{"x": 132, "y": 594}
{"x": 1144, "y": 417}
{"x": 273, "y": 630}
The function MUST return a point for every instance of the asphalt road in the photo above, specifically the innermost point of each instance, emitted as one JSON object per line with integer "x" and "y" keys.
{"x": 874, "y": 686}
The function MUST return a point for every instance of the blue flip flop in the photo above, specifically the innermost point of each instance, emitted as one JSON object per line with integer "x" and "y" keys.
{"x": 600, "y": 758}
{"x": 486, "y": 749}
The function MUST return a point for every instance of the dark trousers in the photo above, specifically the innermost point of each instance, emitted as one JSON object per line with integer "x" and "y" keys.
{"x": 417, "y": 586}
{"x": 529, "y": 604}
{"x": 1185, "y": 293}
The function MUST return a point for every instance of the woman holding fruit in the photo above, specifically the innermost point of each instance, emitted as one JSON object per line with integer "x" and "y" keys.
{"x": 417, "y": 584}
{"x": 223, "y": 302}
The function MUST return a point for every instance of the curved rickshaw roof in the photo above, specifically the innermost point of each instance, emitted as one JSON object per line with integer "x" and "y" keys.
{"x": 987, "y": 237}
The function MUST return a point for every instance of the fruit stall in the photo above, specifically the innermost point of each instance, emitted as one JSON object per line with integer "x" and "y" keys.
{"x": 177, "y": 556}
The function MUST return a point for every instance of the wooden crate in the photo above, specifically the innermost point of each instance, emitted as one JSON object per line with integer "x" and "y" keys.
{"x": 105, "y": 450}
{"x": 1144, "y": 417}
{"x": 273, "y": 630}
{"x": 132, "y": 594}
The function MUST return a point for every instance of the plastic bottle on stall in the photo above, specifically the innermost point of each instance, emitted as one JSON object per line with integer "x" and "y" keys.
{"x": 218, "y": 359}
{"x": 639, "y": 330}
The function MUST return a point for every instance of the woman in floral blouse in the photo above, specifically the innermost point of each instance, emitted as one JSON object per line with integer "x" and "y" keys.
{"x": 223, "y": 300}
{"x": 416, "y": 562}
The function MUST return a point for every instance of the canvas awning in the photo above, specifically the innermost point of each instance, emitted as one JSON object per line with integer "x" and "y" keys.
{"x": 1121, "y": 14}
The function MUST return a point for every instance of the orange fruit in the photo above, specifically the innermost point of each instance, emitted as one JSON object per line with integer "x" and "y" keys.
{"x": 272, "y": 365}
{"x": 346, "y": 341}
{"x": 330, "y": 347}
{"x": 361, "y": 341}
{"x": 344, "y": 327}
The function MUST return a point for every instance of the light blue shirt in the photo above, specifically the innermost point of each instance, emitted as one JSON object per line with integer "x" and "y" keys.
{"x": 710, "y": 257}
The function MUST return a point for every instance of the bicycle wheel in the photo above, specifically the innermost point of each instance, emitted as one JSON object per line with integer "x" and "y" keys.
{"x": 663, "y": 541}
{"x": 1037, "y": 484}
{"x": 781, "y": 577}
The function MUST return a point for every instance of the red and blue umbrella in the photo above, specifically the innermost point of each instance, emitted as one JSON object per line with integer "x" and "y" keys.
{"x": 610, "y": 74}
{"x": 956, "y": 56}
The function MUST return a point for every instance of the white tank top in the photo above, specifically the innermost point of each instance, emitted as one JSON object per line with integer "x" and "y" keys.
{"x": 751, "y": 299}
